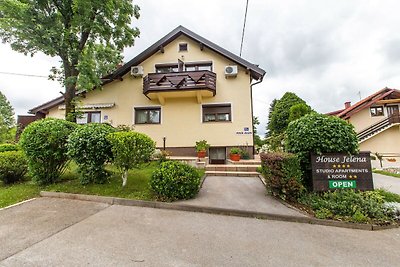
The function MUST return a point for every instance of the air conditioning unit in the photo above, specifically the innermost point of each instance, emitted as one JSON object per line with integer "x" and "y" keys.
{"x": 231, "y": 71}
{"x": 137, "y": 71}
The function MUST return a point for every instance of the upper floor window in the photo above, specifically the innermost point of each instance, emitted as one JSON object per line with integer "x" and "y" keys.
{"x": 193, "y": 66}
{"x": 148, "y": 115}
{"x": 88, "y": 117}
{"x": 183, "y": 47}
{"x": 217, "y": 112}
{"x": 376, "y": 111}
{"x": 167, "y": 68}
{"x": 183, "y": 66}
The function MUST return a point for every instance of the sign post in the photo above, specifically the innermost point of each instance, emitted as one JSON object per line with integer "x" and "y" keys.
{"x": 332, "y": 171}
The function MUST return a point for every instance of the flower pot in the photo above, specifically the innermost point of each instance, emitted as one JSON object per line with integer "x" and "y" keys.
{"x": 201, "y": 154}
{"x": 235, "y": 157}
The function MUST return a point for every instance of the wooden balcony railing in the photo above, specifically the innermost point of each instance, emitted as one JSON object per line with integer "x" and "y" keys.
{"x": 176, "y": 81}
{"x": 374, "y": 128}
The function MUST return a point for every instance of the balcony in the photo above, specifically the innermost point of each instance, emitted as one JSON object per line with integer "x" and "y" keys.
{"x": 198, "y": 84}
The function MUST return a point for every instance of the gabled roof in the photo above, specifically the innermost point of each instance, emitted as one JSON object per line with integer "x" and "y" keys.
{"x": 385, "y": 93}
{"x": 256, "y": 72}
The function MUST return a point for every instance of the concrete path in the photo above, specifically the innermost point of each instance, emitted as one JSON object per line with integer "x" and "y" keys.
{"x": 389, "y": 183}
{"x": 29, "y": 223}
{"x": 243, "y": 193}
{"x": 134, "y": 236}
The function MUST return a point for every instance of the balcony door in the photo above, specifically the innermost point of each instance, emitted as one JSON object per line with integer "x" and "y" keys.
{"x": 393, "y": 110}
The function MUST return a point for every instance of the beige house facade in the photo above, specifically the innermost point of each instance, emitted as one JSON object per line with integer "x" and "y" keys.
{"x": 376, "y": 120}
{"x": 180, "y": 90}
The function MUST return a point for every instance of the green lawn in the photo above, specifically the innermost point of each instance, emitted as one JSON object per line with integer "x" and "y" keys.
{"x": 397, "y": 175}
{"x": 136, "y": 188}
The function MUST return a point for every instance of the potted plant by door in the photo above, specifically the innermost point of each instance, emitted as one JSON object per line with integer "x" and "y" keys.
{"x": 201, "y": 148}
{"x": 235, "y": 154}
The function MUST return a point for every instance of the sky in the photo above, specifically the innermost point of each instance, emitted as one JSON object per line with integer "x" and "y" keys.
{"x": 327, "y": 52}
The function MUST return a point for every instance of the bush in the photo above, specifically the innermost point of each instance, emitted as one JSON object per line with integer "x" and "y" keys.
{"x": 45, "y": 145}
{"x": 13, "y": 166}
{"x": 89, "y": 148}
{"x": 299, "y": 110}
{"x": 282, "y": 174}
{"x": 318, "y": 133}
{"x": 8, "y": 147}
{"x": 349, "y": 205}
{"x": 130, "y": 149}
{"x": 175, "y": 180}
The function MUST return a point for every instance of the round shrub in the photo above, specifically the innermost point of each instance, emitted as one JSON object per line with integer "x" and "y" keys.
{"x": 130, "y": 149}
{"x": 13, "y": 166}
{"x": 318, "y": 133}
{"x": 89, "y": 148}
{"x": 9, "y": 147}
{"x": 175, "y": 180}
{"x": 45, "y": 145}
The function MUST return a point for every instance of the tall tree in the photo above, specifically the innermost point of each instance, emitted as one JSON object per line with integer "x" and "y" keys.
{"x": 87, "y": 35}
{"x": 7, "y": 121}
{"x": 257, "y": 139}
{"x": 279, "y": 117}
{"x": 270, "y": 110}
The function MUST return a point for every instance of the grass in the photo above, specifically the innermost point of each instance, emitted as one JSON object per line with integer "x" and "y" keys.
{"x": 397, "y": 175}
{"x": 137, "y": 186}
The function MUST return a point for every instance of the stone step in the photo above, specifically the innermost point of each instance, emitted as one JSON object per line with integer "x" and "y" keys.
{"x": 240, "y": 168}
{"x": 244, "y": 162}
{"x": 232, "y": 173}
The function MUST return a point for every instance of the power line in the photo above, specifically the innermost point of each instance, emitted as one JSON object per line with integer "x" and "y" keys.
{"x": 23, "y": 74}
{"x": 244, "y": 26}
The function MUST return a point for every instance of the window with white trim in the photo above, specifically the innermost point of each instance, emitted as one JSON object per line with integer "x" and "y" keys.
{"x": 88, "y": 117}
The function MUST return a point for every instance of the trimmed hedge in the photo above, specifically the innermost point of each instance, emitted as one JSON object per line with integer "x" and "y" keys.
{"x": 9, "y": 147}
{"x": 175, "y": 180}
{"x": 13, "y": 166}
{"x": 282, "y": 174}
{"x": 45, "y": 145}
{"x": 89, "y": 148}
{"x": 318, "y": 133}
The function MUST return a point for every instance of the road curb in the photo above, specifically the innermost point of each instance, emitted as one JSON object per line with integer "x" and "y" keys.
{"x": 212, "y": 210}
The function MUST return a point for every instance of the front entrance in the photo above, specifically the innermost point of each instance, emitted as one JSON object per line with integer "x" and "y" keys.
{"x": 217, "y": 155}
{"x": 393, "y": 110}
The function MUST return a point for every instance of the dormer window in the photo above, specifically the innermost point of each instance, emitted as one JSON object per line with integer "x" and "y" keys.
{"x": 183, "y": 47}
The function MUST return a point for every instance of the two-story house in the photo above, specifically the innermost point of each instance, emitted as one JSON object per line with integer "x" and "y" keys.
{"x": 376, "y": 120}
{"x": 180, "y": 90}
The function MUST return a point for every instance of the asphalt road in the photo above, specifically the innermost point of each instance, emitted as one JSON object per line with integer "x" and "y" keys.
{"x": 76, "y": 233}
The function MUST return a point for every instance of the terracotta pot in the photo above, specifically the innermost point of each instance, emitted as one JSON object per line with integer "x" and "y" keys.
{"x": 201, "y": 154}
{"x": 235, "y": 157}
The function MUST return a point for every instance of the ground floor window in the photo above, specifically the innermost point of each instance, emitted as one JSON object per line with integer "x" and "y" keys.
{"x": 88, "y": 117}
{"x": 148, "y": 115}
{"x": 217, "y": 112}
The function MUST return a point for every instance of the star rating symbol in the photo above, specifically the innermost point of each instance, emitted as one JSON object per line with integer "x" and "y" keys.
{"x": 350, "y": 176}
{"x": 334, "y": 166}
{"x": 343, "y": 166}
{"x": 348, "y": 166}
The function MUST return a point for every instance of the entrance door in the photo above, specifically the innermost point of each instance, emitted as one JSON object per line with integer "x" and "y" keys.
{"x": 217, "y": 155}
{"x": 393, "y": 110}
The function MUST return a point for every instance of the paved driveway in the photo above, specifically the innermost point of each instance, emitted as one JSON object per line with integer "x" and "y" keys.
{"x": 92, "y": 234}
{"x": 389, "y": 183}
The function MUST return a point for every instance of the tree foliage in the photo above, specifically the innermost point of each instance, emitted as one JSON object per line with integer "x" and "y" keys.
{"x": 130, "y": 149}
{"x": 87, "y": 35}
{"x": 270, "y": 110}
{"x": 318, "y": 133}
{"x": 279, "y": 117}
{"x": 7, "y": 121}
{"x": 299, "y": 110}
{"x": 257, "y": 139}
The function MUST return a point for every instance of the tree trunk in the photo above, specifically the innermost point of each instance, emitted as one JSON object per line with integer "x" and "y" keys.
{"x": 70, "y": 74}
{"x": 124, "y": 178}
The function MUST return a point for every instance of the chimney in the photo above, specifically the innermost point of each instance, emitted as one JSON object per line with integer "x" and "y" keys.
{"x": 347, "y": 104}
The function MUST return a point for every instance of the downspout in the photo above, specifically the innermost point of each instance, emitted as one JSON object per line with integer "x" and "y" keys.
{"x": 252, "y": 115}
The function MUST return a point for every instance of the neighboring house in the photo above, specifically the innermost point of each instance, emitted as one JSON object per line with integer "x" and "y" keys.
{"x": 376, "y": 120}
{"x": 180, "y": 90}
